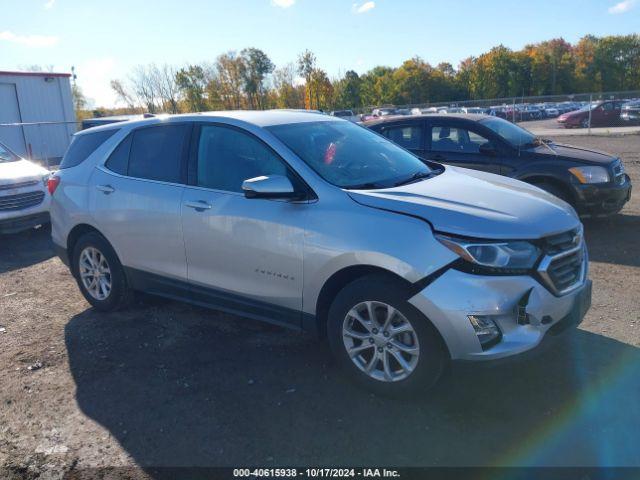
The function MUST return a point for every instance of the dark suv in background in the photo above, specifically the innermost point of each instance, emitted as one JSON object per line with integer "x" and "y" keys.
{"x": 594, "y": 183}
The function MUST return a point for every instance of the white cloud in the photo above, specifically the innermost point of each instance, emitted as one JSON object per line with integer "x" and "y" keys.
{"x": 365, "y": 7}
{"x": 283, "y": 3}
{"x": 622, "y": 7}
{"x": 49, "y": 4}
{"x": 94, "y": 77}
{"x": 29, "y": 40}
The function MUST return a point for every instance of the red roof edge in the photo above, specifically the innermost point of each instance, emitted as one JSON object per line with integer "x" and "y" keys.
{"x": 35, "y": 74}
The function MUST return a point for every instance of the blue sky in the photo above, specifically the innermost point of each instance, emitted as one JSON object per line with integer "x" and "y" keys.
{"x": 106, "y": 39}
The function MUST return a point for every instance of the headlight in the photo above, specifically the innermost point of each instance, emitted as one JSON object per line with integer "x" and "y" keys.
{"x": 495, "y": 256}
{"x": 590, "y": 174}
{"x": 45, "y": 179}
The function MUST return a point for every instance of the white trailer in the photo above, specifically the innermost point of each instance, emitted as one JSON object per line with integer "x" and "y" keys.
{"x": 29, "y": 101}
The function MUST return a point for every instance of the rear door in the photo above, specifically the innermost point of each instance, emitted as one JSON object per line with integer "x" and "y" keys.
{"x": 462, "y": 144}
{"x": 136, "y": 197}
{"x": 409, "y": 135}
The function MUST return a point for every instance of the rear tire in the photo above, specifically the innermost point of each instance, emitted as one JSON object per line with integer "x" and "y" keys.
{"x": 390, "y": 364}
{"x": 99, "y": 273}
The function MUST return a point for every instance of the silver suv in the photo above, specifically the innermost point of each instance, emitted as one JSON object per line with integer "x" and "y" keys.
{"x": 315, "y": 223}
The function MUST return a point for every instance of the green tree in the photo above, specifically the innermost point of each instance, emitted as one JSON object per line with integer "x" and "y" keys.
{"x": 347, "y": 91}
{"x": 192, "y": 83}
{"x": 257, "y": 67}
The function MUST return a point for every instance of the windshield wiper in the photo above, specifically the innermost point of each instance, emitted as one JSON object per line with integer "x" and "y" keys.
{"x": 414, "y": 178}
{"x": 365, "y": 186}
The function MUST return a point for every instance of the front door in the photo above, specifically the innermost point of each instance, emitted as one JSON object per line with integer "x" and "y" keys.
{"x": 461, "y": 146}
{"x": 242, "y": 254}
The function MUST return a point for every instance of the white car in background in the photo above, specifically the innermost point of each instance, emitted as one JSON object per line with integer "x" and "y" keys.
{"x": 551, "y": 111}
{"x": 24, "y": 199}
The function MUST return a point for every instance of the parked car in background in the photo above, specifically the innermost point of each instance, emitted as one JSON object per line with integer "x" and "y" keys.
{"x": 603, "y": 114}
{"x": 476, "y": 110}
{"x": 346, "y": 114}
{"x": 342, "y": 113}
{"x": 530, "y": 112}
{"x": 630, "y": 113}
{"x": 312, "y": 222}
{"x": 594, "y": 183}
{"x": 565, "y": 107}
{"x": 383, "y": 112}
{"x": 24, "y": 200}
{"x": 550, "y": 111}
{"x": 497, "y": 111}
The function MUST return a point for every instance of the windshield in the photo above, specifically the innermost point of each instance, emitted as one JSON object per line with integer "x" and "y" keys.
{"x": 350, "y": 156}
{"x": 586, "y": 108}
{"x": 7, "y": 155}
{"x": 512, "y": 133}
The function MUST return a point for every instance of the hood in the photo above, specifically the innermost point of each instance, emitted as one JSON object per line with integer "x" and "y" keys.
{"x": 21, "y": 170}
{"x": 569, "y": 152}
{"x": 574, "y": 114}
{"x": 476, "y": 204}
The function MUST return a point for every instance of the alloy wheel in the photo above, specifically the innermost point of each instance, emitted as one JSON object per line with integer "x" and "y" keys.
{"x": 380, "y": 341}
{"x": 95, "y": 273}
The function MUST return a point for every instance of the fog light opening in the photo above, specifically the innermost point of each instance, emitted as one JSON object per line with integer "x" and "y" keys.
{"x": 486, "y": 330}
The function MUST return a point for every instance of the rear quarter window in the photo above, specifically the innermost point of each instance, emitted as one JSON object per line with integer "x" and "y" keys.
{"x": 82, "y": 146}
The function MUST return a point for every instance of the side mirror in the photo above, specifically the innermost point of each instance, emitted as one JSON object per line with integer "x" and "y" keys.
{"x": 271, "y": 186}
{"x": 487, "y": 149}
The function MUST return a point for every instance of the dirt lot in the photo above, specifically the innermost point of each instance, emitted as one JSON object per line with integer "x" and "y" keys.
{"x": 167, "y": 384}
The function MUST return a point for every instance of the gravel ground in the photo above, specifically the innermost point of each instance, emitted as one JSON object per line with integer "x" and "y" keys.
{"x": 168, "y": 384}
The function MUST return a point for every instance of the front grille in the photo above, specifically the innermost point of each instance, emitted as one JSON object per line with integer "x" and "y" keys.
{"x": 20, "y": 201}
{"x": 563, "y": 267}
{"x": 566, "y": 271}
{"x": 11, "y": 186}
{"x": 561, "y": 242}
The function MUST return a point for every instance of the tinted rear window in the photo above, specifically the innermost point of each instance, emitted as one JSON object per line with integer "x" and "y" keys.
{"x": 82, "y": 146}
{"x": 156, "y": 152}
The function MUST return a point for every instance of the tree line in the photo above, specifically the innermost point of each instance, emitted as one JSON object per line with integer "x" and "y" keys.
{"x": 249, "y": 79}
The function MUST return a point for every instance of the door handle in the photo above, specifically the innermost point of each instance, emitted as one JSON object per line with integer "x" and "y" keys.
{"x": 106, "y": 189}
{"x": 199, "y": 206}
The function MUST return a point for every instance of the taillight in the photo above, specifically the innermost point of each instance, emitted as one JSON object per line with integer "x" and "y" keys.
{"x": 52, "y": 184}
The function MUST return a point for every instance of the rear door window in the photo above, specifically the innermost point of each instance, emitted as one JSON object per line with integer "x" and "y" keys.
{"x": 409, "y": 137}
{"x": 82, "y": 146}
{"x": 157, "y": 152}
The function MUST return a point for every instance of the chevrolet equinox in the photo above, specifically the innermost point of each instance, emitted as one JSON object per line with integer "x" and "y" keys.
{"x": 315, "y": 223}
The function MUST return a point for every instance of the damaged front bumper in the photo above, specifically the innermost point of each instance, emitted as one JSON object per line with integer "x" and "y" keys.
{"x": 522, "y": 308}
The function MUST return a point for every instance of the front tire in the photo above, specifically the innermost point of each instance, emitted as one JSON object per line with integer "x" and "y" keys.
{"x": 382, "y": 341}
{"x": 556, "y": 191}
{"x": 99, "y": 273}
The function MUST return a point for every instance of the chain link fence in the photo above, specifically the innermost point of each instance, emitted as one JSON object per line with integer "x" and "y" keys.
{"x": 590, "y": 113}
{"x": 598, "y": 113}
